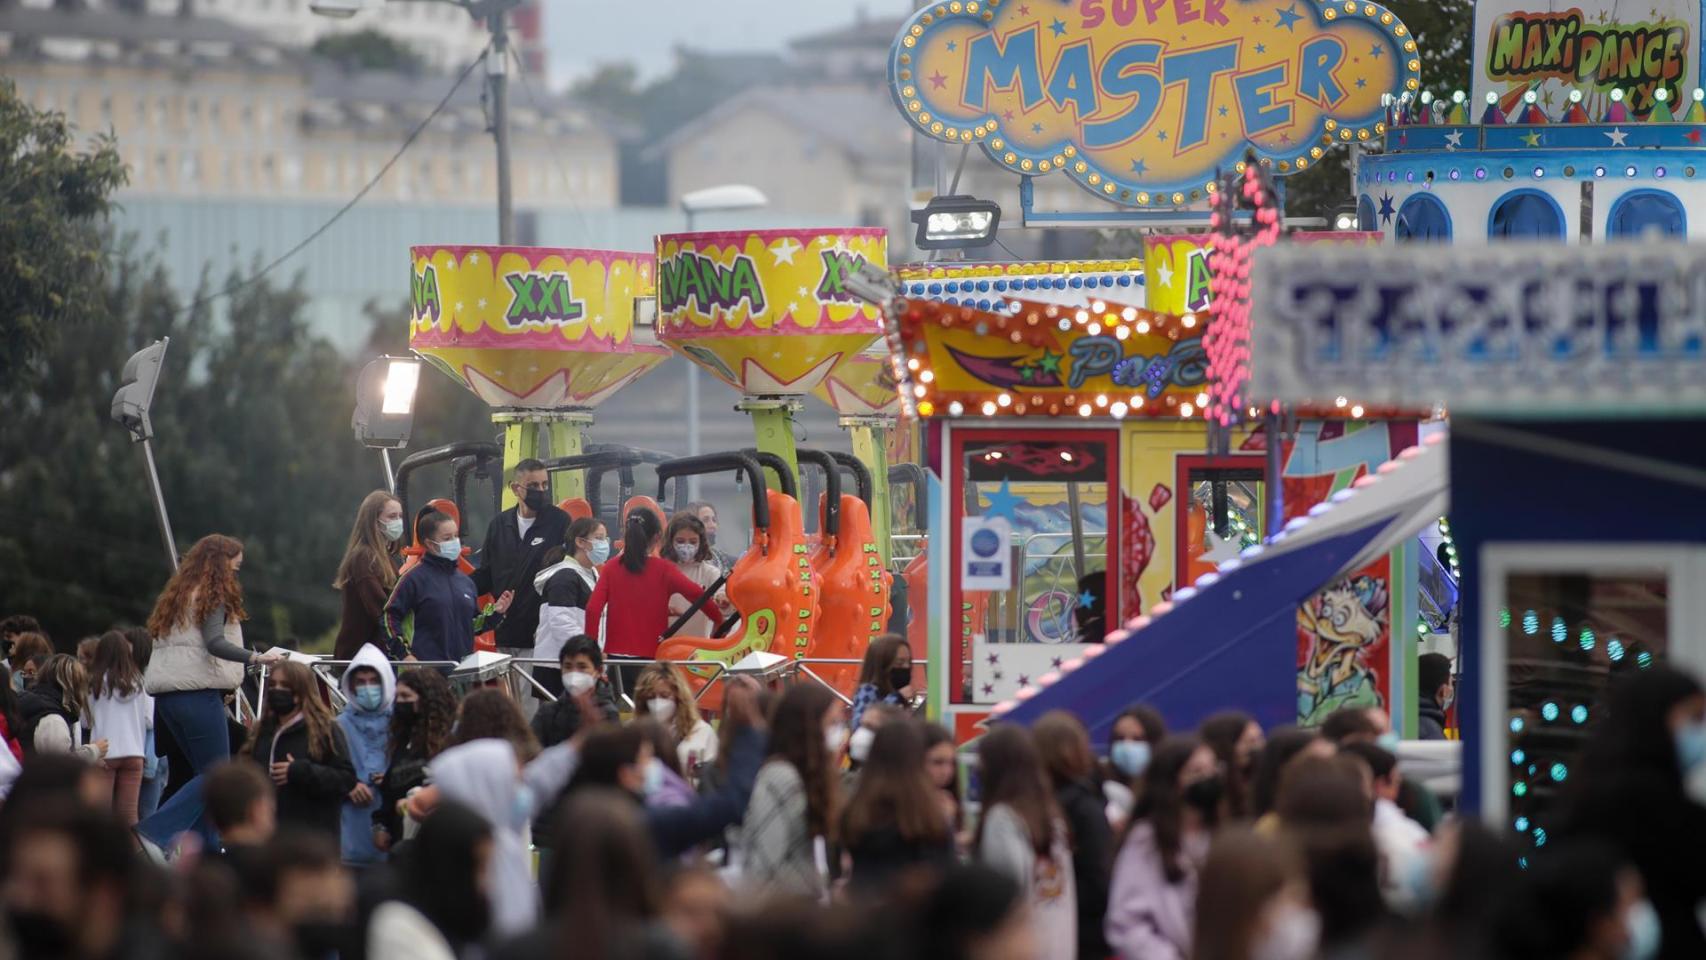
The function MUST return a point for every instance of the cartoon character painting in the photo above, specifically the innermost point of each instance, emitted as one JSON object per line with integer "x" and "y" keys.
{"x": 1341, "y": 631}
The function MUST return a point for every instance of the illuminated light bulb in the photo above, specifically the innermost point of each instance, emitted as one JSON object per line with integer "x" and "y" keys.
{"x": 925, "y": 376}
{"x": 1004, "y": 400}
{"x": 1202, "y": 399}
{"x": 1094, "y": 329}
{"x": 1188, "y": 321}
{"x": 1065, "y": 325}
{"x": 1644, "y": 659}
{"x": 1559, "y": 772}
{"x": 1185, "y": 410}
{"x": 1129, "y": 313}
{"x": 1101, "y": 399}
{"x": 1516, "y": 724}
{"x": 1530, "y": 622}
{"x": 956, "y": 408}
{"x": 1549, "y": 711}
{"x": 1521, "y": 824}
{"x": 1082, "y": 316}
{"x": 1066, "y": 455}
{"x": 1084, "y": 409}
{"x": 1614, "y": 649}
{"x": 1540, "y": 835}
{"x": 1340, "y": 402}
{"x": 1121, "y": 333}
{"x": 1098, "y": 306}
{"x": 1356, "y": 411}
{"x": 926, "y": 408}
{"x": 919, "y": 391}
{"x": 989, "y": 408}
{"x": 1559, "y": 630}
{"x": 912, "y": 364}
{"x": 1579, "y": 714}
{"x": 1519, "y": 788}
{"x": 1143, "y": 326}
{"x": 1517, "y": 757}
{"x": 1586, "y": 639}
{"x": 1118, "y": 409}
{"x": 1504, "y": 617}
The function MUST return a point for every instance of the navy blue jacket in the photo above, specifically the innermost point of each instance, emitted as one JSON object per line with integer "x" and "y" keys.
{"x": 434, "y": 612}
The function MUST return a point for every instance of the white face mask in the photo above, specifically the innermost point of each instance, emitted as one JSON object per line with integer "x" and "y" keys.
{"x": 662, "y": 709}
{"x": 1293, "y": 933}
{"x": 577, "y": 683}
{"x": 687, "y": 552}
{"x": 392, "y": 529}
{"x": 834, "y": 736}
{"x": 859, "y": 745}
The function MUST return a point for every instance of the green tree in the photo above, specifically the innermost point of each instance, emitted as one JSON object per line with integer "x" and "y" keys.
{"x": 50, "y": 238}
{"x": 1443, "y": 31}
{"x": 368, "y": 50}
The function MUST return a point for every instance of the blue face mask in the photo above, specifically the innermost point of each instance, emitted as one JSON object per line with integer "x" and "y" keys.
{"x": 450, "y": 549}
{"x": 1130, "y": 757}
{"x": 1644, "y": 932}
{"x": 369, "y": 696}
{"x": 1691, "y": 746}
{"x": 599, "y": 552}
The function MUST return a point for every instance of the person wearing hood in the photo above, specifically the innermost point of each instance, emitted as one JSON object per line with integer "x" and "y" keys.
{"x": 1637, "y": 787}
{"x": 369, "y": 688}
{"x": 485, "y": 776}
{"x": 1433, "y": 679}
{"x": 445, "y": 891}
{"x": 433, "y": 614}
{"x": 565, "y": 586}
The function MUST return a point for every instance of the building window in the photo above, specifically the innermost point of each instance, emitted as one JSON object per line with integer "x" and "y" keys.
{"x": 1366, "y": 217}
{"x": 1423, "y": 218}
{"x": 1526, "y": 215}
{"x": 1641, "y": 213}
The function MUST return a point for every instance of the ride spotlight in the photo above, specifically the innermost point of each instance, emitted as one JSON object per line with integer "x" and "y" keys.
{"x": 956, "y": 222}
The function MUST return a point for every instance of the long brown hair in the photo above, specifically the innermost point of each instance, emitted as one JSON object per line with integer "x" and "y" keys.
{"x": 368, "y": 550}
{"x": 436, "y": 714}
{"x": 689, "y": 522}
{"x": 1222, "y": 732}
{"x": 879, "y": 659}
{"x": 668, "y": 677}
{"x": 113, "y": 672}
{"x": 1012, "y": 775}
{"x": 796, "y": 735}
{"x": 894, "y": 791}
{"x": 604, "y": 886}
{"x": 1065, "y": 747}
{"x": 205, "y": 577}
{"x": 1244, "y": 872}
{"x": 490, "y": 713}
{"x": 1162, "y": 802}
{"x": 316, "y": 716}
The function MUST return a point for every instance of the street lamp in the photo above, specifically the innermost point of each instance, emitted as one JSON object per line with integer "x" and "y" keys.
{"x": 493, "y": 12}
{"x": 141, "y": 374}
{"x": 385, "y": 407}
{"x": 719, "y": 199}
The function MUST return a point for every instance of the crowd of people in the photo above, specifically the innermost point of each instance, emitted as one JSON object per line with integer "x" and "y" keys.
{"x": 376, "y": 809}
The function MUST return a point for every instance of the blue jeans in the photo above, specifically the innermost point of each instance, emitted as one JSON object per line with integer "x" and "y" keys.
{"x": 196, "y": 719}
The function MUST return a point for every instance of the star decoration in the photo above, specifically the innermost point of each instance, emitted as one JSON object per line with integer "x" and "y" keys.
{"x": 1454, "y": 139}
{"x": 1256, "y": 19}
{"x": 459, "y": 305}
{"x": 1161, "y": 135}
{"x": 473, "y": 258}
{"x": 784, "y": 251}
{"x": 1261, "y": 48}
{"x": 1375, "y": 51}
{"x": 1050, "y": 363}
{"x": 1617, "y": 136}
{"x": 1002, "y": 502}
{"x": 1219, "y": 550}
{"x": 1223, "y": 110}
{"x": 1007, "y": 115}
{"x": 1285, "y": 138}
{"x": 1362, "y": 82}
{"x": 1164, "y": 273}
{"x": 1036, "y": 128}
{"x": 1024, "y": 681}
{"x": 1532, "y": 138}
{"x": 482, "y": 301}
{"x": 993, "y": 659}
{"x": 1059, "y": 27}
{"x": 1086, "y": 600}
{"x": 1024, "y": 11}
{"x": 1139, "y": 167}
{"x": 1056, "y": 662}
{"x": 953, "y": 45}
{"x": 804, "y": 292}
{"x": 989, "y": 689}
{"x": 1288, "y": 17}
{"x": 939, "y": 80}
{"x": 1386, "y": 211}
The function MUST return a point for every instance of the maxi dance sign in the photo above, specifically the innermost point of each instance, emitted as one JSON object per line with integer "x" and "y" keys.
{"x": 1510, "y": 328}
{"x": 1143, "y": 101}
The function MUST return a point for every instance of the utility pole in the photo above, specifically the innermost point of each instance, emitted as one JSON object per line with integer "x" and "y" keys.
{"x": 497, "y": 79}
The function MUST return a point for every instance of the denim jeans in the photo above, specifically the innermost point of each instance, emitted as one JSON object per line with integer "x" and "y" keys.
{"x": 196, "y": 719}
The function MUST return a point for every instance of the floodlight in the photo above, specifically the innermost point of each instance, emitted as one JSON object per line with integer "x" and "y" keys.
{"x": 385, "y": 402}
{"x": 956, "y": 222}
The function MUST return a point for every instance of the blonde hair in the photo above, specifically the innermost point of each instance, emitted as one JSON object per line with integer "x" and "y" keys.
{"x": 669, "y": 676}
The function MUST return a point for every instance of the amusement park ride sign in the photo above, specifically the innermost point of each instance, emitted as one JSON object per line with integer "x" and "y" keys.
{"x": 1617, "y": 329}
{"x": 1596, "y": 46}
{"x": 1142, "y": 101}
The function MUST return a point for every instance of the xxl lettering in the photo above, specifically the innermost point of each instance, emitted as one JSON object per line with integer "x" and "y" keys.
{"x": 1197, "y": 70}
{"x": 1315, "y": 81}
{"x": 837, "y": 267}
{"x": 991, "y": 64}
{"x": 1123, "y": 75}
{"x": 542, "y": 299}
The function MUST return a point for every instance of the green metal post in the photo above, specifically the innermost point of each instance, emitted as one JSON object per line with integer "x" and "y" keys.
{"x": 870, "y": 445}
{"x": 773, "y": 429}
{"x": 568, "y": 439}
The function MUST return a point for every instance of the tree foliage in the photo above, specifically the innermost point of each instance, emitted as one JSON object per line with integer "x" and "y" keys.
{"x": 50, "y": 240}
{"x": 368, "y": 49}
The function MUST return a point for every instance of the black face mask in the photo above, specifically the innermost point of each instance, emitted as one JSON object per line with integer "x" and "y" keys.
{"x": 405, "y": 712}
{"x": 282, "y": 703}
{"x": 536, "y": 500}
{"x": 39, "y": 935}
{"x": 1205, "y": 795}
{"x": 900, "y": 677}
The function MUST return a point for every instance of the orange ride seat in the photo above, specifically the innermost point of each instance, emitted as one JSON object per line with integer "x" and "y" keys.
{"x": 854, "y": 596}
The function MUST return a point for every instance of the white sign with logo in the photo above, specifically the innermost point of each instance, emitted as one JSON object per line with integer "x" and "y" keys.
{"x": 986, "y": 555}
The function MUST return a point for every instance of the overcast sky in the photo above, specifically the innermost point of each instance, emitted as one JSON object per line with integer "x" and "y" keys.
{"x": 583, "y": 33}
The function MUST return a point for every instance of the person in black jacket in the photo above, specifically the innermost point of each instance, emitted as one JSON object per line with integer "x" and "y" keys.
{"x": 514, "y": 552}
{"x": 421, "y": 719}
{"x": 299, "y": 743}
{"x": 1433, "y": 680}
{"x": 583, "y": 671}
{"x": 894, "y": 821}
{"x": 1632, "y": 788}
{"x": 1065, "y": 749}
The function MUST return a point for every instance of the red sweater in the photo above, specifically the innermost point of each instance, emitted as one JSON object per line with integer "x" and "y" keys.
{"x": 640, "y": 613}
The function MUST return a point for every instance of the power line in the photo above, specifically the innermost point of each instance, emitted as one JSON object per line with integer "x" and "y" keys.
{"x": 408, "y": 142}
